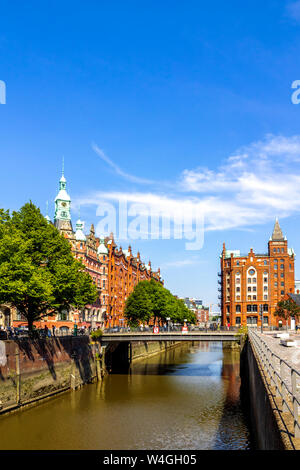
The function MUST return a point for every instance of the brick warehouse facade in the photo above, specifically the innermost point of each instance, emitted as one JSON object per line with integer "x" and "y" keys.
{"x": 115, "y": 272}
{"x": 254, "y": 279}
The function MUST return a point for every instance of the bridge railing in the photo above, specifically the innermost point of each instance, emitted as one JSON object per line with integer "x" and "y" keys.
{"x": 283, "y": 376}
{"x": 177, "y": 329}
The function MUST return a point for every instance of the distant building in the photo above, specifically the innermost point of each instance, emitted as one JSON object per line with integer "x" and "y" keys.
{"x": 196, "y": 306}
{"x": 297, "y": 287}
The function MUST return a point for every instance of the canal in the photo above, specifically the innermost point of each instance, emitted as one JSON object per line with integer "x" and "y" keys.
{"x": 185, "y": 398}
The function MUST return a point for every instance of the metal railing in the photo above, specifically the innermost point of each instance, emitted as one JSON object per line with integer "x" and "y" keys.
{"x": 282, "y": 376}
{"x": 171, "y": 329}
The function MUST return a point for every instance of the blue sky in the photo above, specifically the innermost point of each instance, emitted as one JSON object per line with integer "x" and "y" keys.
{"x": 175, "y": 105}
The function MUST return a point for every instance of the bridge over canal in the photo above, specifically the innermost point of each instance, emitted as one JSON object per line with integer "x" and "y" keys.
{"x": 170, "y": 336}
{"x": 119, "y": 349}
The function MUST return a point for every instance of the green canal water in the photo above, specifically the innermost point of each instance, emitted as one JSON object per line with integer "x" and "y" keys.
{"x": 185, "y": 398}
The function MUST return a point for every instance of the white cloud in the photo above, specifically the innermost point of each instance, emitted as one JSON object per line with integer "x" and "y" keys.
{"x": 255, "y": 184}
{"x": 293, "y": 10}
{"x": 180, "y": 263}
{"x": 117, "y": 169}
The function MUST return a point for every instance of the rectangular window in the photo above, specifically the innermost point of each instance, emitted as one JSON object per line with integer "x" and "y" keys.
{"x": 249, "y": 280}
{"x": 238, "y": 320}
{"x": 251, "y": 308}
{"x": 265, "y": 288}
{"x": 265, "y": 279}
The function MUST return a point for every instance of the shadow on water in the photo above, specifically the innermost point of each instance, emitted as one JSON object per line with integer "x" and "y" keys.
{"x": 213, "y": 363}
{"x": 234, "y": 432}
{"x": 185, "y": 398}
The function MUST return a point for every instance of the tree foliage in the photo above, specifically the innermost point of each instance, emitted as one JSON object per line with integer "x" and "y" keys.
{"x": 287, "y": 309}
{"x": 151, "y": 302}
{"x": 38, "y": 272}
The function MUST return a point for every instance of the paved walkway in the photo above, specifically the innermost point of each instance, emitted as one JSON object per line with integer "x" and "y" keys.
{"x": 290, "y": 354}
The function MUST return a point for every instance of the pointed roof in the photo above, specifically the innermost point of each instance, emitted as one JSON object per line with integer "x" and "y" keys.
{"x": 62, "y": 194}
{"x": 102, "y": 249}
{"x": 277, "y": 234}
{"x": 79, "y": 235}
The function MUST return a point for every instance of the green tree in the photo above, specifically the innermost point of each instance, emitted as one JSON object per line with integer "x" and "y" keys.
{"x": 287, "y": 309}
{"x": 151, "y": 300}
{"x": 38, "y": 272}
{"x": 138, "y": 307}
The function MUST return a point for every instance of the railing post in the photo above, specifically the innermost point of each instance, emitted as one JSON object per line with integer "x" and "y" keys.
{"x": 295, "y": 403}
{"x": 283, "y": 389}
{"x": 274, "y": 375}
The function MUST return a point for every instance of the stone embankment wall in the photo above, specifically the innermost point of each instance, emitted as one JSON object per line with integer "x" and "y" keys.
{"x": 265, "y": 416}
{"x": 31, "y": 370}
{"x": 141, "y": 349}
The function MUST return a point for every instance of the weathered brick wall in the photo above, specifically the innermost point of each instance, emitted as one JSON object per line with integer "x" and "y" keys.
{"x": 31, "y": 369}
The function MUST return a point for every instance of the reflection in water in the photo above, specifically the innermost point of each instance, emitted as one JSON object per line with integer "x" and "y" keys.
{"x": 184, "y": 398}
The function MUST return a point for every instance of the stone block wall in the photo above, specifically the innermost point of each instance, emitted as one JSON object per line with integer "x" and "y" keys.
{"x": 34, "y": 369}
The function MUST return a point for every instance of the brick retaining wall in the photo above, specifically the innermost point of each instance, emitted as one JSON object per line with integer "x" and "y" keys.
{"x": 31, "y": 370}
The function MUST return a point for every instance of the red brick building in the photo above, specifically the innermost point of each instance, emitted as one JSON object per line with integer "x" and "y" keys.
{"x": 248, "y": 281}
{"x": 114, "y": 271}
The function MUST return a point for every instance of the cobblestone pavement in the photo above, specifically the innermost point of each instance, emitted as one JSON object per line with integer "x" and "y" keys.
{"x": 290, "y": 354}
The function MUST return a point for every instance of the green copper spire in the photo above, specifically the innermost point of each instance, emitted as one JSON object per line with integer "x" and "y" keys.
{"x": 62, "y": 200}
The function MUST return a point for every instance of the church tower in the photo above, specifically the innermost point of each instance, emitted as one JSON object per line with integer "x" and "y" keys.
{"x": 62, "y": 217}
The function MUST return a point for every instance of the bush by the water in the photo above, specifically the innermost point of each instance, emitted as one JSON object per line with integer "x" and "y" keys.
{"x": 96, "y": 334}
